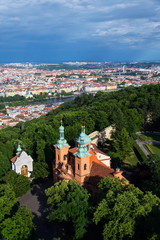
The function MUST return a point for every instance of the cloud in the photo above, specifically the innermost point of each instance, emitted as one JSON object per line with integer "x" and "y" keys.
{"x": 137, "y": 31}
{"x": 106, "y": 23}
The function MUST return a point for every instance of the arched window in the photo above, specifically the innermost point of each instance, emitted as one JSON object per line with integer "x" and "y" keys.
{"x": 85, "y": 166}
{"x": 24, "y": 171}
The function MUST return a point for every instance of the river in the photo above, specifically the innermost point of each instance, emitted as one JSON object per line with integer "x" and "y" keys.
{"x": 60, "y": 99}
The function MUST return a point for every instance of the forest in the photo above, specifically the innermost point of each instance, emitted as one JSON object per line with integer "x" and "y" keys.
{"x": 117, "y": 211}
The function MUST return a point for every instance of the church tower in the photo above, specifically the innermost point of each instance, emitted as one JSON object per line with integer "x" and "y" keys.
{"x": 85, "y": 137}
{"x": 61, "y": 149}
{"x": 82, "y": 159}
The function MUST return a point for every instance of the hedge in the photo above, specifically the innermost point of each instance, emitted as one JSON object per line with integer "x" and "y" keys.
{"x": 149, "y": 148}
{"x": 139, "y": 153}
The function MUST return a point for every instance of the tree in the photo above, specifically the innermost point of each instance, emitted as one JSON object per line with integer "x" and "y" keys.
{"x": 134, "y": 121}
{"x": 122, "y": 143}
{"x": 7, "y": 200}
{"x": 118, "y": 117}
{"x": 40, "y": 150}
{"x": 19, "y": 183}
{"x": 121, "y": 208}
{"x": 14, "y": 224}
{"x": 153, "y": 162}
{"x": 40, "y": 170}
{"x": 4, "y": 165}
{"x": 19, "y": 226}
{"x": 69, "y": 202}
{"x": 114, "y": 184}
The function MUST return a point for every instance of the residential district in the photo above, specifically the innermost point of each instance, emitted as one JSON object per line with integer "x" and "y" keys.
{"x": 27, "y": 80}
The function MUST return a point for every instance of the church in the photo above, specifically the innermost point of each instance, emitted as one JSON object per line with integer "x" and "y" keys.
{"x": 22, "y": 163}
{"x": 84, "y": 163}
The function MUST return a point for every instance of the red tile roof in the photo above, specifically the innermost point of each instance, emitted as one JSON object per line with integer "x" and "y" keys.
{"x": 15, "y": 158}
{"x": 101, "y": 170}
{"x": 73, "y": 150}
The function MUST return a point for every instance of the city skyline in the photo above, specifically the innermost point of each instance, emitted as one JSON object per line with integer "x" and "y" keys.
{"x": 79, "y": 30}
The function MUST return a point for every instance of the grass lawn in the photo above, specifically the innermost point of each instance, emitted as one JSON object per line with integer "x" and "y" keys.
{"x": 149, "y": 137}
{"x": 155, "y": 149}
{"x": 132, "y": 160}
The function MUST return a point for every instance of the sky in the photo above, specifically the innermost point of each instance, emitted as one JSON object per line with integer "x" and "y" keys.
{"x": 54, "y": 31}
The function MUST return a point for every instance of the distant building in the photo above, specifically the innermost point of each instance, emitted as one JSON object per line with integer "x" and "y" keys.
{"x": 84, "y": 163}
{"x": 94, "y": 88}
{"x": 124, "y": 69}
{"x": 22, "y": 163}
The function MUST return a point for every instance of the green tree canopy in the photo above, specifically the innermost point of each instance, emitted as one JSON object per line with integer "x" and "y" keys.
{"x": 122, "y": 144}
{"x": 7, "y": 200}
{"x": 4, "y": 165}
{"x": 19, "y": 183}
{"x": 120, "y": 209}
{"x": 69, "y": 202}
{"x": 40, "y": 170}
{"x": 19, "y": 226}
{"x": 153, "y": 162}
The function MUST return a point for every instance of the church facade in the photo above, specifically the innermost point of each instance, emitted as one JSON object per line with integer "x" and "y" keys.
{"x": 84, "y": 163}
{"x": 22, "y": 163}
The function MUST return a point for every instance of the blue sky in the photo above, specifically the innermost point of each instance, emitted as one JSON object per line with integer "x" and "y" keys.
{"x": 79, "y": 30}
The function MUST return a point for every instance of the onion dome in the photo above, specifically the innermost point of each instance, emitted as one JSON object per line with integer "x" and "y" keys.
{"x": 61, "y": 143}
{"x": 82, "y": 149}
{"x": 84, "y": 136}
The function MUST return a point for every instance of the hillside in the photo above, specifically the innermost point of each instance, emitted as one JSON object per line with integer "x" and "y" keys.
{"x": 132, "y": 108}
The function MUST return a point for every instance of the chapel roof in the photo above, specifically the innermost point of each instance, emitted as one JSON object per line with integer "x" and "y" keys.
{"x": 15, "y": 158}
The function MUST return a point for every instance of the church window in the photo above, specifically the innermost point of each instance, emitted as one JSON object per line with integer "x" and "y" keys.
{"x": 58, "y": 157}
{"x": 85, "y": 166}
{"x": 65, "y": 157}
{"x": 78, "y": 166}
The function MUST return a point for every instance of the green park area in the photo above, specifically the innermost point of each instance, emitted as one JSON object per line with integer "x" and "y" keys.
{"x": 151, "y": 137}
{"x": 154, "y": 149}
{"x": 131, "y": 161}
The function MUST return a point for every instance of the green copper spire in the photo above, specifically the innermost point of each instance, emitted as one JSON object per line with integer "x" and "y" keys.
{"x": 18, "y": 149}
{"x": 61, "y": 131}
{"x": 61, "y": 143}
{"x": 82, "y": 150}
{"x": 84, "y": 136}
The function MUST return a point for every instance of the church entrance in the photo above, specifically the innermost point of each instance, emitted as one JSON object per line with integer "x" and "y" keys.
{"x": 24, "y": 171}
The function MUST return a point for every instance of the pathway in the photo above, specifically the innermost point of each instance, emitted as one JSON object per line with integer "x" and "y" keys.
{"x": 36, "y": 200}
{"x": 141, "y": 145}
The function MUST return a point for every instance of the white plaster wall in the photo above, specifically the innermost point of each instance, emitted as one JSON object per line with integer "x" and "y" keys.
{"x": 106, "y": 133}
{"x": 13, "y": 167}
{"x": 107, "y": 163}
{"x": 102, "y": 135}
{"x": 24, "y": 159}
{"x": 94, "y": 137}
{"x": 101, "y": 156}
